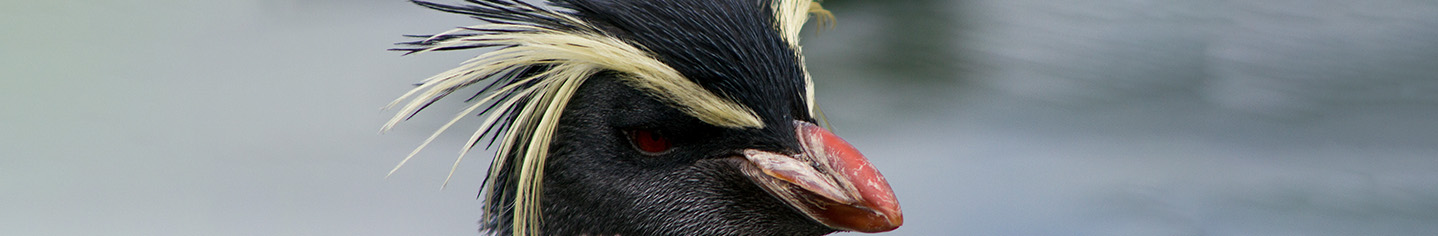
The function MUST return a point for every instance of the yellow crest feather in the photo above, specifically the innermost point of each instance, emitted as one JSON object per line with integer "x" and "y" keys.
{"x": 568, "y": 52}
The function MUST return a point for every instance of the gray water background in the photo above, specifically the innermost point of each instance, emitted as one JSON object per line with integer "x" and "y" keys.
{"x": 989, "y": 117}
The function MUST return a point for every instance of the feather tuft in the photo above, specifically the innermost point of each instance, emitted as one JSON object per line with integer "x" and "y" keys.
{"x": 790, "y": 16}
{"x": 539, "y": 58}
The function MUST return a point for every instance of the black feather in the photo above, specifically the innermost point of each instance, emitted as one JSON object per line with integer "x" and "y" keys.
{"x": 594, "y": 184}
{"x": 730, "y": 47}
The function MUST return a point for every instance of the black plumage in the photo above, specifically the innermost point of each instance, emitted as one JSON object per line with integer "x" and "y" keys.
{"x": 727, "y": 46}
{"x": 608, "y": 188}
{"x": 626, "y": 150}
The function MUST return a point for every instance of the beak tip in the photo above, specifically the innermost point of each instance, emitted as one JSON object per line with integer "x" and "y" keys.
{"x": 892, "y": 220}
{"x": 849, "y": 217}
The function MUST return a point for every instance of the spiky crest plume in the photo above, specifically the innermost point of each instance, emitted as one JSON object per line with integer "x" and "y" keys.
{"x": 540, "y": 58}
{"x": 791, "y": 16}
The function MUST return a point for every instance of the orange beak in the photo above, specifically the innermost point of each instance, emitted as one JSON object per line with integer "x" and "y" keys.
{"x": 831, "y": 182}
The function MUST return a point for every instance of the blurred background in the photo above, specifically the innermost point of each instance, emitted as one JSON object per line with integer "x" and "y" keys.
{"x": 989, "y": 117}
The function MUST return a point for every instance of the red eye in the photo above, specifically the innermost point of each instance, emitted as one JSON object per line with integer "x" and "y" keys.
{"x": 649, "y": 141}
